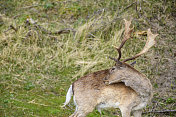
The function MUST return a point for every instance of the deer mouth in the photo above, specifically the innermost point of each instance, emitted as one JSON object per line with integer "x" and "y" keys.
{"x": 112, "y": 82}
{"x": 116, "y": 80}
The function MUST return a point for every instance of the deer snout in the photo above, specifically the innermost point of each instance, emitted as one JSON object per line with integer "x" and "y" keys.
{"x": 106, "y": 81}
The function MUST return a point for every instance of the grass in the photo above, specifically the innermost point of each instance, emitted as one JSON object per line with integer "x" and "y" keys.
{"x": 36, "y": 70}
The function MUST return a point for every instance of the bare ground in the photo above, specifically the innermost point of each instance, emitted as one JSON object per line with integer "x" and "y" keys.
{"x": 163, "y": 65}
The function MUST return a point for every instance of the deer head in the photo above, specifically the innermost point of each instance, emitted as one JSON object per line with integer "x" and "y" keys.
{"x": 123, "y": 71}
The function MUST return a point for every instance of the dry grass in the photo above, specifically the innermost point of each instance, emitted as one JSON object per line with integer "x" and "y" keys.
{"x": 37, "y": 68}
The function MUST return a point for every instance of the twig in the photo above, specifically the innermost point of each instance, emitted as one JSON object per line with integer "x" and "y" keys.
{"x": 63, "y": 31}
{"x": 33, "y": 102}
{"x": 14, "y": 17}
{"x": 162, "y": 111}
{"x": 129, "y": 6}
{"x": 28, "y": 7}
{"x": 118, "y": 14}
{"x": 7, "y": 30}
{"x": 12, "y": 27}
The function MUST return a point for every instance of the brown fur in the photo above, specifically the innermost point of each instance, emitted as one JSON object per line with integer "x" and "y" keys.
{"x": 91, "y": 91}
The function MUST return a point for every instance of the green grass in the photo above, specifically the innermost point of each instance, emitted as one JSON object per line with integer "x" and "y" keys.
{"x": 37, "y": 70}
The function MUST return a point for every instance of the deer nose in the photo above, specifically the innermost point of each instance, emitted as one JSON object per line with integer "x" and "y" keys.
{"x": 105, "y": 80}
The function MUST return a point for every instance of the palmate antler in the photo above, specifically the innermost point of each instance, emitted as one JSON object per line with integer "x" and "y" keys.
{"x": 127, "y": 34}
{"x": 150, "y": 42}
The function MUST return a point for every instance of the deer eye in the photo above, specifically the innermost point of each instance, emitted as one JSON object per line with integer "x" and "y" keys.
{"x": 112, "y": 69}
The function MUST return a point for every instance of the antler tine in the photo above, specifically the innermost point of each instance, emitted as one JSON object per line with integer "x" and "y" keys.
{"x": 127, "y": 35}
{"x": 114, "y": 59}
{"x": 150, "y": 42}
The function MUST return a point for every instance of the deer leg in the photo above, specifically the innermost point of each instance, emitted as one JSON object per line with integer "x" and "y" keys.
{"x": 82, "y": 111}
{"x": 77, "y": 114}
{"x": 74, "y": 114}
{"x": 99, "y": 110}
{"x": 125, "y": 112}
{"x": 137, "y": 113}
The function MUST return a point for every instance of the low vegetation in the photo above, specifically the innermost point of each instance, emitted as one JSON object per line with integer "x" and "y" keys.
{"x": 45, "y": 45}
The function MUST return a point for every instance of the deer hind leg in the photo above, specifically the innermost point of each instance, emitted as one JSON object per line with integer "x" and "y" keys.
{"x": 137, "y": 113}
{"x": 73, "y": 115}
{"x": 82, "y": 112}
{"x": 125, "y": 112}
{"x": 83, "y": 106}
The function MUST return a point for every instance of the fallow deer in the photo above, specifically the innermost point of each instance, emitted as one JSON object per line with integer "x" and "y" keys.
{"x": 121, "y": 86}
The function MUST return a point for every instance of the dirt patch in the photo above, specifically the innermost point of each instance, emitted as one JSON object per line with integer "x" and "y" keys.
{"x": 163, "y": 66}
